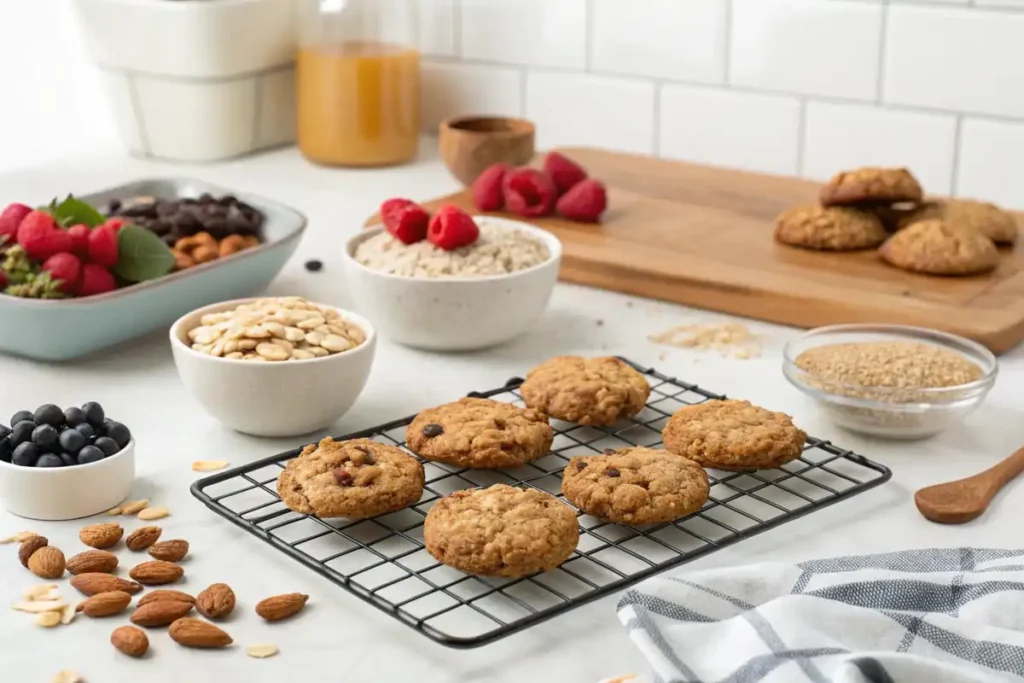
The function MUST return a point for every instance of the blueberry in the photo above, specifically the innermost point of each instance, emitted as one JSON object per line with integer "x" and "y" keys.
{"x": 4, "y": 431}
{"x": 45, "y": 437}
{"x": 21, "y": 416}
{"x": 74, "y": 417}
{"x": 25, "y": 455}
{"x": 49, "y": 414}
{"x": 6, "y": 449}
{"x": 86, "y": 430}
{"x": 68, "y": 459}
{"x": 93, "y": 413}
{"x": 89, "y": 454}
{"x": 107, "y": 445}
{"x": 72, "y": 441}
{"x": 119, "y": 433}
{"x": 22, "y": 432}
{"x": 50, "y": 460}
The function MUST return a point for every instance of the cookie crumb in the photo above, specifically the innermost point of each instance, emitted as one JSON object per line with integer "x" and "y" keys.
{"x": 730, "y": 339}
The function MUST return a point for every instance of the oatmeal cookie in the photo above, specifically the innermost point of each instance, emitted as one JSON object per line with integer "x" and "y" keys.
{"x": 355, "y": 479}
{"x": 501, "y": 531}
{"x": 988, "y": 219}
{"x": 480, "y": 433}
{"x": 937, "y": 248}
{"x": 835, "y": 228}
{"x": 635, "y": 485}
{"x": 589, "y": 391}
{"x": 733, "y": 435}
{"x": 871, "y": 186}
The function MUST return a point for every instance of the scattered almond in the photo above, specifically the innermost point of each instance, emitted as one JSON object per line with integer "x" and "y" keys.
{"x": 165, "y": 594}
{"x": 113, "y": 512}
{"x": 170, "y": 551}
{"x": 92, "y": 583}
{"x": 134, "y": 507}
{"x": 93, "y": 561}
{"x": 40, "y": 606}
{"x": 156, "y": 572}
{"x": 67, "y": 615}
{"x": 105, "y": 604}
{"x": 67, "y": 676}
{"x": 209, "y": 465}
{"x": 149, "y": 514}
{"x": 37, "y": 592}
{"x": 19, "y": 537}
{"x": 261, "y": 651}
{"x": 47, "y": 563}
{"x": 143, "y": 537}
{"x": 101, "y": 536}
{"x": 29, "y": 546}
{"x": 47, "y": 619}
{"x": 53, "y": 594}
{"x": 130, "y": 640}
{"x": 192, "y": 632}
{"x": 160, "y": 613}
{"x": 281, "y": 607}
{"x": 216, "y": 602}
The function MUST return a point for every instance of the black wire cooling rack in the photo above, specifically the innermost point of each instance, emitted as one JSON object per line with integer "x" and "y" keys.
{"x": 384, "y": 562}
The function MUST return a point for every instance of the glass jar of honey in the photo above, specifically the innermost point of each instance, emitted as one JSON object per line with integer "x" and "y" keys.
{"x": 358, "y": 81}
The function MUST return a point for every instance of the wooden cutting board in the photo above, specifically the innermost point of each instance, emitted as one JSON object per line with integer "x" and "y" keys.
{"x": 702, "y": 236}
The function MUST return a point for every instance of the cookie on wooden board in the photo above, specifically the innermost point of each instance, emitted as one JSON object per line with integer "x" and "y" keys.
{"x": 937, "y": 248}
{"x": 588, "y": 391}
{"x": 988, "y": 219}
{"x": 835, "y": 228}
{"x": 870, "y": 185}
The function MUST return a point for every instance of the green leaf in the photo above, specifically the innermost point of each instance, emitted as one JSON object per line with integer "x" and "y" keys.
{"x": 141, "y": 255}
{"x": 73, "y": 211}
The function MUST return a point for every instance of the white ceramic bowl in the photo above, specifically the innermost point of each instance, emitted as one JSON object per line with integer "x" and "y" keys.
{"x": 454, "y": 313}
{"x": 60, "y": 493}
{"x": 277, "y": 398}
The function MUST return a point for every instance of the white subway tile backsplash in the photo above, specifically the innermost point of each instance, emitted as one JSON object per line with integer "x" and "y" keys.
{"x": 841, "y": 136}
{"x": 596, "y": 111}
{"x": 1012, "y": 4}
{"x": 437, "y": 27}
{"x": 660, "y": 38}
{"x": 530, "y": 32}
{"x": 813, "y": 47}
{"x": 955, "y": 59}
{"x": 450, "y": 89}
{"x": 742, "y": 130}
{"x": 992, "y": 162}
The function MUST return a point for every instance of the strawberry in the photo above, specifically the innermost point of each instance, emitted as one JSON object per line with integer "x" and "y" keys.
{"x": 39, "y": 235}
{"x": 66, "y": 268}
{"x": 564, "y": 172}
{"x": 585, "y": 202}
{"x": 486, "y": 189}
{"x": 11, "y": 218}
{"x": 405, "y": 219}
{"x": 103, "y": 246}
{"x": 116, "y": 223}
{"x": 529, "y": 192}
{"x": 95, "y": 280}
{"x": 451, "y": 228}
{"x": 79, "y": 235}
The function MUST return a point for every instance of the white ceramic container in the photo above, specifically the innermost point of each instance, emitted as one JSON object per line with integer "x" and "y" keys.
{"x": 275, "y": 399}
{"x": 454, "y": 313}
{"x": 196, "y": 81}
{"x": 60, "y": 493}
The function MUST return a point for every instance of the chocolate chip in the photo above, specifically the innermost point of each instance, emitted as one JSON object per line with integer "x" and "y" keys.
{"x": 612, "y": 472}
{"x": 433, "y": 429}
{"x": 609, "y": 451}
{"x": 343, "y": 478}
{"x": 314, "y": 266}
{"x": 580, "y": 464}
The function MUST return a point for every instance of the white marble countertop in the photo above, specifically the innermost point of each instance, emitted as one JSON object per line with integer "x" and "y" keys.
{"x": 340, "y": 638}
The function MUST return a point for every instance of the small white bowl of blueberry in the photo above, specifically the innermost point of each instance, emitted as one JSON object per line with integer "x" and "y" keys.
{"x": 64, "y": 464}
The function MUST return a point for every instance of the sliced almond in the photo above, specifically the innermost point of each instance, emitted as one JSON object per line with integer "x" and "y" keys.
{"x": 68, "y": 676}
{"x": 18, "y": 537}
{"x": 40, "y": 606}
{"x": 209, "y": 465}
{"x": 47, "y": 619}
{"x": 67, "y": 615}
{"x": 262, "y": 651}
{"x": 37, "y": 592}
{"x": 134, "y": 507}
{"x": 149, "y": 514}
{"x": 113, "y": 512}
{"x": 53, "y": 595}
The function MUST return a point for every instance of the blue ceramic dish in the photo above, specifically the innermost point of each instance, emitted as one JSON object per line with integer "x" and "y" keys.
{"x": 63, "y": 329}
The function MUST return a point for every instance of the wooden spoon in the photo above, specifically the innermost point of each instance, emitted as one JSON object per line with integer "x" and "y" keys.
{"x": 960, "y": 501}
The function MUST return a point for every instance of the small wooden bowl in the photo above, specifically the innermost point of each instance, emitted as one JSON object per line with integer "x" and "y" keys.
{"x": 469, "y": 144}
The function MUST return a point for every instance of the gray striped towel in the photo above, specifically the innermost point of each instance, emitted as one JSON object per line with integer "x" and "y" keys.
{"x": 951, "y": 615}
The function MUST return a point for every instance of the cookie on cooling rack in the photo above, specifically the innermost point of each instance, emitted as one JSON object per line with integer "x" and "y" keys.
{"x": 356, "y": 479}
{"x": 588, "y": 391}
{"x": 733, "y": 435}
{"x": 635, "y": 485}
{"x": 501, "y": 531}
{"x": 480, "y": 433}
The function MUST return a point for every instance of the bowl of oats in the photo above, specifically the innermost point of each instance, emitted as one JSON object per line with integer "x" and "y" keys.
{"x": 472, "y": 297}
{"x": 276, "y": 367}
{"x": 892, "y": 381}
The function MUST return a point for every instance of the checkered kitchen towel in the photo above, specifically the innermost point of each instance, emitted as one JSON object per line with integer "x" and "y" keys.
{"x": 952, "y": 615}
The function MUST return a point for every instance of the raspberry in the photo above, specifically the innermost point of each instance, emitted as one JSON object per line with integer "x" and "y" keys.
{"x": 529, "y": 192}
{"x": 103, "y": 246}
{"x": 79, "y": 235}
{"x": 451, "y": 228}
{"x": 487, "y": 192}
{"x": 405, "y": 219}
{"x": 66, "y": 268}
{"x": 11, "y": 218}
{"x": 39, "y": 235}
{"x": 564, "y": 172}
{"x": 585, "y": 202}
{"x": 95, "y": 280}
{"x": 116, "y": 223}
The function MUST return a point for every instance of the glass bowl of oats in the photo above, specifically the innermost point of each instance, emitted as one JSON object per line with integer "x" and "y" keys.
{"x": 891, "y": 381}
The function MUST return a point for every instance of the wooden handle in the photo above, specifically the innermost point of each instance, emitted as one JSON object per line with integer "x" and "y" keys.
{"x": 1005, "y": 470}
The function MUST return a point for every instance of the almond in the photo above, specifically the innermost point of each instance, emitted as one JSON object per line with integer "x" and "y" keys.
{"x": 171, "y": 551}
{"x": 67, "y": 615}
{"x": 47, "y": 619}
{"x": 160, "y": 613}
{"x": 38, "y": 592}
{"x": 47, "y": 562}
{"x": 261, "y": 651}
{"x": 192, "y": 632}
{"x": 165, "y": 594}
{"x": 134, "y": 507}
{"x": 216, "y": 602}
{"x": 281, "y": 607}
{"x": 67, "y": 676}
{"x": 105, "y": 604}
{"x": 92, "y": 583}
{"x": 39, "y": 606}
{"x": 149, "y": 514}
{"x": 143, "y": 537}
{"x": 93, "y": 561}
{"x": 209, "y": 465}
{"x": 101, "y": 536}
{"x": 29, "y": 546}
{"x": 130, "y": 640}
{"x": 156, "y": 572}
{"x": 19, "y": 537}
